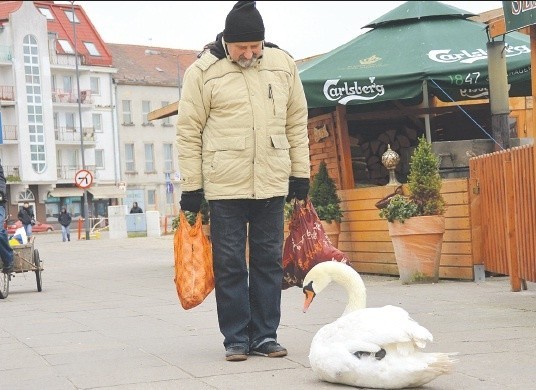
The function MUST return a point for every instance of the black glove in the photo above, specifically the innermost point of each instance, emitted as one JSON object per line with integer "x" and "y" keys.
{"x": 298, "y": 187}
{"x": 191, "y": 200}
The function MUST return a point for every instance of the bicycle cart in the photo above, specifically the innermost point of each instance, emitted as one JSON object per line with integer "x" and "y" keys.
{"x": 26, "y": 258}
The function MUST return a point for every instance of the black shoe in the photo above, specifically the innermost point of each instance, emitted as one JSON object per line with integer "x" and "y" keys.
{"x": 236, "y": 353}
{"x": 8, "y": 270}
{"x": 270, "y": 349}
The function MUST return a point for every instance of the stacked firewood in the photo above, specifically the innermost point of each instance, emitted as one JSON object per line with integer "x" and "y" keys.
{"x": 367, "y": 155}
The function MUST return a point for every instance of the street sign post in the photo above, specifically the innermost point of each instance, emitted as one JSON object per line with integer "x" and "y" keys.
{"x": 83, "y": 179}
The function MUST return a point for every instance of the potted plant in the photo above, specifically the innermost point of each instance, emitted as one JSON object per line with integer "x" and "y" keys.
{"x": 326, "y": 201}
{"x": 416, "y": 221}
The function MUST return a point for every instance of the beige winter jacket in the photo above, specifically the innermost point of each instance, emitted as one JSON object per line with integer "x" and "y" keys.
{"x": 242, "y": 132}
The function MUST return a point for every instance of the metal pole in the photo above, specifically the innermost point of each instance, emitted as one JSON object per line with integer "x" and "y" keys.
{"x": 86, "y": 206}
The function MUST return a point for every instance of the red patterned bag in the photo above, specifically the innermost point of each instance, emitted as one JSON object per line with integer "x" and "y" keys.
{"x": 194, "y": 276}
{"x": 306, "y": 245}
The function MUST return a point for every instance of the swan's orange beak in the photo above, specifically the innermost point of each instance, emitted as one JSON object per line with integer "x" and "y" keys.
{"x": 309, "y": 295}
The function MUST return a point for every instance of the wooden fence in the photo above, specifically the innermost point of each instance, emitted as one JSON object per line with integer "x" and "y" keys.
{"x": 503, "y": 209}
{"x": 365, "y": 236}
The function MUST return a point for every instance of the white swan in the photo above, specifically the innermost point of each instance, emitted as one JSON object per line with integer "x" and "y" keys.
{"x": 369, "y": 347}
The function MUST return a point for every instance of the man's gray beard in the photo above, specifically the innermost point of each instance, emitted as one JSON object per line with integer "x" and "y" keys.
{"x": 244, "y": 63}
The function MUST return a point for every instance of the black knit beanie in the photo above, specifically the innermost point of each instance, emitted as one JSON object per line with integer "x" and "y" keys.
{"x": 244, "y": 23}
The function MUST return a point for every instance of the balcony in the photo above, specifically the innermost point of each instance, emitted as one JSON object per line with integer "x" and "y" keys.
{"x": 65, "y": 60}
{"x": 66, "y": 173}
{"x": 69, "y": 135}
{"x": 7, "y": 94}
{"x": 60, "y": 96}
{"x": 10, "y": 133}
{"x": 11, "y": 173}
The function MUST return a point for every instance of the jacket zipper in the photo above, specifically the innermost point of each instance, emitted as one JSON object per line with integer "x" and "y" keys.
{"x": 271, "y": 96}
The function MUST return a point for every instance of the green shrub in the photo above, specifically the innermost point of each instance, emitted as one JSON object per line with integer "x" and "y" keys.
{"x": 424, "y": 180}
{"x": 400, "y": 208}
{"x": 424, "y": 184}
{"x": 324, "y": 197}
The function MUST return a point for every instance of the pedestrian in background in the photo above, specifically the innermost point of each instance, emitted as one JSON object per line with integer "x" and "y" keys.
{"x": 65, "y": 221}
{"x": 243, "y": 145}
{"x": 27, "y": 218}
{"x": 6, "y": 252}
{"x": 135, "y": 209}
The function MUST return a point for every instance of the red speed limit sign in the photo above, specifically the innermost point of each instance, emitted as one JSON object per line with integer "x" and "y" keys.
{"x": 83, "y": 178}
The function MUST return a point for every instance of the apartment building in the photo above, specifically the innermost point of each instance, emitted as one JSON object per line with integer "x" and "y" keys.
{"x": 57, "y": 110}
{"x": 147, "y": 78}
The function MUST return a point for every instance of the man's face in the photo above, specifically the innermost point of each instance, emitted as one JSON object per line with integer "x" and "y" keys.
{"x": 245, "y": 54}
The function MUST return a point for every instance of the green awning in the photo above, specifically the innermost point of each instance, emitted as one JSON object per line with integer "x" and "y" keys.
{"x": 421, "y": 41}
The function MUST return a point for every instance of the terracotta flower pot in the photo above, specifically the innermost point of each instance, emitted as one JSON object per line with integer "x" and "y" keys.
{"x": 332, "y": 230}
{"x": 417, "y": 244}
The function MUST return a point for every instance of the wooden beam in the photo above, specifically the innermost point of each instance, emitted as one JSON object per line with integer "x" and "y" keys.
{"x": 409, "y": 111}
{"x": 344, "y": 153}
{"x": 510, "y": 233}
{"x": 532, "y": 131}
{"x": 497, "y": 28}
{"x": 164, "y": 112}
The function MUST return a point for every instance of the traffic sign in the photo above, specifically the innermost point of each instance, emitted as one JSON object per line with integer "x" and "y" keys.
{"x": 83, "y": 179}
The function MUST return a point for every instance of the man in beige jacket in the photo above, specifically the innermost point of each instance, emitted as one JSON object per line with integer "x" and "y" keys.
{"x": 243, "y": 145}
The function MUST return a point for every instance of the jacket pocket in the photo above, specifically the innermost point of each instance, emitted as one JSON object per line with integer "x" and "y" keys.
{"x": 280, "y": 155}
{"x": 280, "y": 141}
{"x": 219, "y": 151}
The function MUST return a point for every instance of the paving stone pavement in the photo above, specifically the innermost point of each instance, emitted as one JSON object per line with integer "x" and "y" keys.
{"x": 109, "y": 318}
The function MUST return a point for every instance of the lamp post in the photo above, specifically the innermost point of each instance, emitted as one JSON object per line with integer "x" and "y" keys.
{"x": 86, "y": 205}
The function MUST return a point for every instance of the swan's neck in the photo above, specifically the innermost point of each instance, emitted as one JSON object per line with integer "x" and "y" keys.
{"x": 355, "y": 289}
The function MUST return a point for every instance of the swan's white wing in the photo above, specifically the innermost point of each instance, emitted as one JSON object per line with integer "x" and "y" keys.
{"x": 332, "y": 355}
{"x": 376, "y": 327}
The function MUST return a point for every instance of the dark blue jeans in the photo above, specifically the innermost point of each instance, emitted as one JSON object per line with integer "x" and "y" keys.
{"x": 6, "y": 252}
{"x": 248, "y": 299}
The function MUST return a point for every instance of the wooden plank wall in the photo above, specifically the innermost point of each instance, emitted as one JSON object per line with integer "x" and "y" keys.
{"x": 507, "y": 229}
{"x": 365, "y": 236}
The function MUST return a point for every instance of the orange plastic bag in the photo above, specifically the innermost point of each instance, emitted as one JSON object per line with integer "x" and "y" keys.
{"x": 306, "y": 246}
{"x": 194, "y": 276}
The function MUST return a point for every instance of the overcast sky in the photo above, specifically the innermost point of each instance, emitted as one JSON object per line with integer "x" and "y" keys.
{"x": 302, "y": 28}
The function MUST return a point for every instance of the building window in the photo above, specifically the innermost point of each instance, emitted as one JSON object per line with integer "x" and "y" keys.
{"x": 127, "y": 113}
{"x": 69, "y": 121}
{"x": 71, "y": 16}
{"x": 68, "y": 84}
{"x": 34, "y": 104}
{"x": 166, "y": 121}
{"x": 47, "y": 13}
{"x": 151, "y": 197}
{"x": 168, "y": 157}
{"x": 66, "y": 46}
{"x": 130, "y": 165}
{"x": 92, "y": 49}
{"x": 56, "y": 121}
{"x": 99, "y": 158}
{"x": 149, "y": 158}
{"x": 145, "y": 110}
{"x": 95, "y": 85}
{"x": 97, "y": 123}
